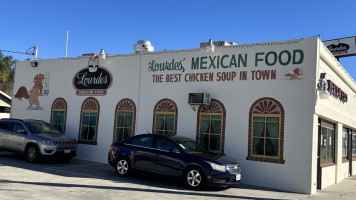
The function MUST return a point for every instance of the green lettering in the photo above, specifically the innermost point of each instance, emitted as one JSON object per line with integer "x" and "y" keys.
{"x": 218, "y": 62}
{"x": 222, "y": 61}
{"x": 203, "y": 62}
{"x": 195, "y": 63}
{"x": 212, "y": 63}
{"x": 275, "y": 58}
{"x": 288, "y": 57}
{"x": 258, "y": 59}
{"x": 301, "y": 56}
{"x": 233, "y": 61}
{"x": 244, "y": 62}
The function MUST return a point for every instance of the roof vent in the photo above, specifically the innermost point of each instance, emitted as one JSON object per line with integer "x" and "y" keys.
{"x": 218, "y": 44}
{"x": 89, "y": 54}
{"x": 143, "y": 46}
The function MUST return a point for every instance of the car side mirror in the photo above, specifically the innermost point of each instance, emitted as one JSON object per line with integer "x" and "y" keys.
{"x": 174, "y": 150}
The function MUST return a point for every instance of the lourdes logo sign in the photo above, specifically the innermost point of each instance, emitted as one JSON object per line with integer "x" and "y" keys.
{"x": 342, "y": 47}
{"x": 92, "y": 80}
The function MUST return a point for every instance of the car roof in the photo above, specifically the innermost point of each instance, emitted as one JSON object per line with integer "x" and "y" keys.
{"x": 180, "y": 137}
{"x": 19, "y": 120}
{"x": 172, "y": 137}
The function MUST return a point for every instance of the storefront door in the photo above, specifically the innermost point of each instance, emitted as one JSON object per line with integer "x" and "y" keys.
{"x": 326, "y": 147}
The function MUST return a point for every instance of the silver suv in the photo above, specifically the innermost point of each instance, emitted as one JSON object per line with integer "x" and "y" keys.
{"x": 35, "y": 139}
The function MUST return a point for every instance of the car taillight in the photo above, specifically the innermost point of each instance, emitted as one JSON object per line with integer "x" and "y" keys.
{"x": 111, "y": 146}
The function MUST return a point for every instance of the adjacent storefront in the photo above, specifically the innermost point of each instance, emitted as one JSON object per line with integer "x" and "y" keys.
{"x": 5, "y": 105}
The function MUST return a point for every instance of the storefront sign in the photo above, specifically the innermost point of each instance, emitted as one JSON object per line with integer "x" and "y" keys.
{"x": 92, "y": 80}
{"x": 240, "y": 67}
{"x": 173, "y": 65}
{"x": 342, "y": 47}
{"x": 336, "y": 91}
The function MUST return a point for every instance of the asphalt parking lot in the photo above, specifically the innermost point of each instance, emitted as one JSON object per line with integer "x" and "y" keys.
{"x": 81, "y": 179}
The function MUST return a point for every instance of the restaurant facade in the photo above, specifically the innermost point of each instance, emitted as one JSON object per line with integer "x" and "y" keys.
{"x": 285, "y": 110}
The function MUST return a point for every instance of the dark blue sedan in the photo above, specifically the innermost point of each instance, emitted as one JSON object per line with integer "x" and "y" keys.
{"x": 175, "y": 156}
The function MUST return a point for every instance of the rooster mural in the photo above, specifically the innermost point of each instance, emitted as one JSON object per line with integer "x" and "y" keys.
{"x": 33, "y": 94}
{"x": 297, "y": 73}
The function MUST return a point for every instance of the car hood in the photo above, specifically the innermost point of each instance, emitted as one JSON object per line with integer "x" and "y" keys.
{"x": 221, "y": 159}
{"x": 54, "y": 136}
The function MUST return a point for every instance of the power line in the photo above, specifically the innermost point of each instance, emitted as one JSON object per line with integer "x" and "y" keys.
{"x": 31, "y": 51}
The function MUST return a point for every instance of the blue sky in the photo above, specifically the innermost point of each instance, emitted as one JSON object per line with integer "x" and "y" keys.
{"x": 117, "y": 25}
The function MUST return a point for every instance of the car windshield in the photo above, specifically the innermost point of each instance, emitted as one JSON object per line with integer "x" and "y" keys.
{"x": 190, "y": 146}
{"x": 41, "y": 127}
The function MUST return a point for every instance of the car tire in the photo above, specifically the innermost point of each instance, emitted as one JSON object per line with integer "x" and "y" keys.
{"x": 32, "y": 154}
{"x": 194, "y": 178}
{"x": 123, "y": 166}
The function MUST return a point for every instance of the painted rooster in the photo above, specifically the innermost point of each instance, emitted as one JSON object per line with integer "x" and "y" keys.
{"x": 296, "y": 74}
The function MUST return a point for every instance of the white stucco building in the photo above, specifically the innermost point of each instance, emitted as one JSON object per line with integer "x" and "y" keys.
{"x": 267, "y": 110}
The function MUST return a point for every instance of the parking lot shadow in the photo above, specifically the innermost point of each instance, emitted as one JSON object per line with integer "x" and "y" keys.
{"x": 88, "y": 169}
{"x": 93, "y": 170}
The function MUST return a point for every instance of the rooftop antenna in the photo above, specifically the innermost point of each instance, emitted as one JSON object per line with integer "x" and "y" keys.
{"x": 35, "y": 49}
{"x": 66, "y": 44}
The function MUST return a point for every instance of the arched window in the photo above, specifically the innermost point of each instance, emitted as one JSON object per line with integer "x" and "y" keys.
{"x": 266, "y": 131}
{"x": 59, "y": 114}
{"x": 89, "y": 119}
{"x": 165, "y": 118}
{"x": 211, "y": 126}
{"x": 125, "y": 117}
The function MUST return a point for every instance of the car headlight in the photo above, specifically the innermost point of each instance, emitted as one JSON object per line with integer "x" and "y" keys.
{"x": 217, "y": 167}
{"x": 45, "y": 141}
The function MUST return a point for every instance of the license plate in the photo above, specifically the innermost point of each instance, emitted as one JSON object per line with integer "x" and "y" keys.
{"x": 67, "y": 151}
{"x": 238, "y": 177}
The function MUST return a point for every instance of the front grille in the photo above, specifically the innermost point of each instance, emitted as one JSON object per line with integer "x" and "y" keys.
{"x": 65, "y": 143}
{"x": 234, "y": 169}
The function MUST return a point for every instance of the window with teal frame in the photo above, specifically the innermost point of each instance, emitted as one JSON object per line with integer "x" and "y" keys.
{"x": 164, "y": 124}
{"x": 165, "y": 118}
{"x": 210, "y": 131}
{"x": 59, "y": 114}
{"x": 88, "y": 129}
{"x": 124, "y": 125}
{"x": 58, "y": 119}
{"x": 125, "y": 117}
{"x": 265, "y": 139}
{"x": 211, "y": 126}
{"x": 266, "y": 131}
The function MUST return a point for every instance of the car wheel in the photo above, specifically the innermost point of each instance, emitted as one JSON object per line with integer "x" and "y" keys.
{"x": 123, "y": 166}
{"x": 32, "y": 154}
{"x": 194, "y": 178}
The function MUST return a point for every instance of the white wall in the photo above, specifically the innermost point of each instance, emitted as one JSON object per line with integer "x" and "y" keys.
{"x": 328, "y": 176}
{"x": 124, "y": 72}
{"x": 132, "y": 79}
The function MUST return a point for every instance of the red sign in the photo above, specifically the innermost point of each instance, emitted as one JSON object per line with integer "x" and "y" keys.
{"x": 336, "y": 91}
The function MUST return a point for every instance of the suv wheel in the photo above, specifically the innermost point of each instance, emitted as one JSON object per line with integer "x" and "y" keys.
{"x": 194, "y": 178}
{"x": 123, "y": 166}
{"x": 32, "y": 154}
